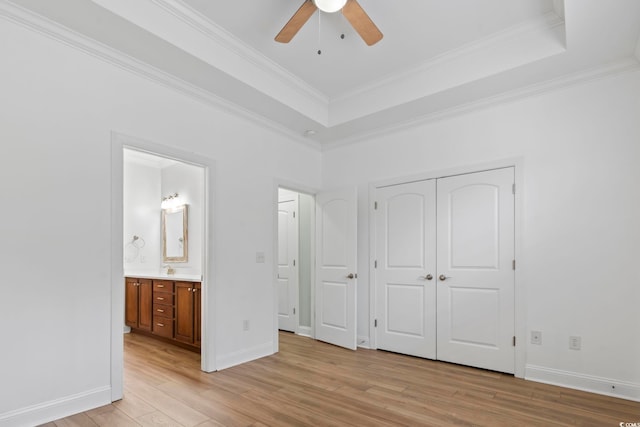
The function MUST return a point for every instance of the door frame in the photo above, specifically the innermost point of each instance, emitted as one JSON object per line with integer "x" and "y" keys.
{"x": 519, "y": 285}
{"x": 298, "y": 188}
{"x": 119, "y": 142}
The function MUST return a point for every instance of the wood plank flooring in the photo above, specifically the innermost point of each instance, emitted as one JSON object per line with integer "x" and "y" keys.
{"x": 309, "y": 383}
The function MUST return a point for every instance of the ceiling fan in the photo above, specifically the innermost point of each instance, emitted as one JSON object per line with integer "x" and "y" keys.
{"x": 351, "y": 10}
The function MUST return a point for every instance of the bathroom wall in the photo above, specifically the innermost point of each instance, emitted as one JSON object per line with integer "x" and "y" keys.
{"x": 141, "y": 217}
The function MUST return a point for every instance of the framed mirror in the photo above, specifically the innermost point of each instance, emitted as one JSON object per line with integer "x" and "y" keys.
{"x": 175, "y": 234}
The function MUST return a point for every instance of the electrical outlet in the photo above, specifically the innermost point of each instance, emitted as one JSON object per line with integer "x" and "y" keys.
{"x": 245, "y": 325}
{"x": 575, "y": 343}
{"x": 536, "y": 337}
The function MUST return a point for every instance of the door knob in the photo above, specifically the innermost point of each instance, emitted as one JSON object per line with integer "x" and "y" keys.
{"x": 443, "y": 277}
{"x": 428, "y": 277}
{"x": 351, "y": 276}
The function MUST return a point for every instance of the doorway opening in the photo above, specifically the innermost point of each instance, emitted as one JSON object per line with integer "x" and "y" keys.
{"x": 144, "y": 173}
{"x": 295, "y": 249}
{"x": 331, "y": 257}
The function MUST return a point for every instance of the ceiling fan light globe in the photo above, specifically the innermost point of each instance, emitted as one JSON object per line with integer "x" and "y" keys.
{"x": 330, "y": 6}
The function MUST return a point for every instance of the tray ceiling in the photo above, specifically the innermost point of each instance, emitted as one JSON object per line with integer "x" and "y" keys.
{"x": 436, "y": 56}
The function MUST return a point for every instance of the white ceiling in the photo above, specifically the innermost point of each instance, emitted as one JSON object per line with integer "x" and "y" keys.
{"x": 436, "y": 57}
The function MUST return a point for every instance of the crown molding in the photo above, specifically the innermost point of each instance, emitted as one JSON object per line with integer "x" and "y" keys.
{"x": 55, "y": 31}
{"x": 626, "y": 65}
{"x": 222, "y": 37}
{"x": 548, "y": 21}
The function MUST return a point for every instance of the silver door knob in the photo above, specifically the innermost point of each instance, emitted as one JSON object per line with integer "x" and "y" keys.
{"x": 428, "y": 277}
{"x": 442, "y": 277}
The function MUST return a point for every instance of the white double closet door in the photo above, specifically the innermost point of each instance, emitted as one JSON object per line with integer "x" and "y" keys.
{"x": 444, "y": 269}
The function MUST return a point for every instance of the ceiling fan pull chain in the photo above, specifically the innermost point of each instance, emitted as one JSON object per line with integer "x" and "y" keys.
{"x": 319, "y": 34}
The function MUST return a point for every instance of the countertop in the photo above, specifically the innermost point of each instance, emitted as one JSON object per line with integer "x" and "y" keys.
{"x": 165, "y": 276}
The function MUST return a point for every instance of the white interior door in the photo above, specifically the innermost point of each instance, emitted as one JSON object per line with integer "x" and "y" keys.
{"x": 475, "y": 290}
{"x": 287, "y": 262}
{"x": 406, "y": 268}
{"x": 336, "y": 267}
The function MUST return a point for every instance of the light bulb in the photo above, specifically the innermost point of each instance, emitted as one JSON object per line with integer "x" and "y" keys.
{"x": 330, "y": 6}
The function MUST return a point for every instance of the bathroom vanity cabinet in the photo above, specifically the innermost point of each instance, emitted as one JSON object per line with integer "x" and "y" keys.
{"x": 166, "y": 309}
{"x": 138, "y": 303}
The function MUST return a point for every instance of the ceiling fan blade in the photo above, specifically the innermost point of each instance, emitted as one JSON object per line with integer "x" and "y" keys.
{"x": 361, "y": 22}
{"x": 296, "y": 22}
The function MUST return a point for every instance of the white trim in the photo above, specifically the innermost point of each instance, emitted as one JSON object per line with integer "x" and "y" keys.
{"x": 56, "y": 409}
{"x": 600, "y": 385}
{"x": 637, "y": 52}
{"x": 246, "y": 355}
{"x": 305, "y": 331}
{"x": 208, "y": 355}
{"x": 630, "y": 64}
{"x": 222, "y": 37}
{"x": 548, "y": 21}
{"x": 117, "y": 270}
{"x": 519, "y": 286}
{"x": 55, "y": 31}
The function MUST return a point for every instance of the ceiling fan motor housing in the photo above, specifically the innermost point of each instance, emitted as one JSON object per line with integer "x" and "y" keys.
{"x": 330, "y": 6}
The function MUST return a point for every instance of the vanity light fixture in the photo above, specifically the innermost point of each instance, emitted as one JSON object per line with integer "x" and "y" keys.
{"x": 170, "y": 201}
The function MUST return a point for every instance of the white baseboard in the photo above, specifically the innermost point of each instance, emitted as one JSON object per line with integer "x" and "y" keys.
{"x": 305, "y": 331}
{"x": 363, "y": 342}
{"x": 56, "y": 409}
{"x": 239, "y": 357}
{"x": 599, "y": 385}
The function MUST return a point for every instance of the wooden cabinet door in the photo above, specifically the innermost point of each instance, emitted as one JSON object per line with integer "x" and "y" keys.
{"x": 144, "y": 304}
{"x": 184, "y": 312}
{"x": 131, "y": 303}
{"x": 197, "y": 314}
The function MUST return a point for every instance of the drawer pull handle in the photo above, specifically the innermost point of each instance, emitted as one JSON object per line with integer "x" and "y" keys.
{"x": 160, "y": 286}
{"x": 188, "y": 289}
{"x": 160, "y": 298}
{"x": 160, "y": 311}
{"x": 160, "y": 324}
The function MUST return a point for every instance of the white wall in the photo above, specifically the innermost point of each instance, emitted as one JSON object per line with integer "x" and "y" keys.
{"x": 581, "y": 217}
{"x": 58, "y": 108}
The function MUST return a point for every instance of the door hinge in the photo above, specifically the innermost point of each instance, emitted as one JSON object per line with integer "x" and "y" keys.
{"x": 513, "y": 188}
{"x": 375, "y": 323}
{"x": 513, "y": 264}
{"x": 375, "y": 205}
{"x": 514, "y": 341}
{"x": 294, "y": 214}
{"x": 294, "y": 310}
{"x": 375, "y": 264}
{"x": 294, "y": 262}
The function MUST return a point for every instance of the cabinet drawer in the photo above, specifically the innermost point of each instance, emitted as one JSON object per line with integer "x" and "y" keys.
{"x": 163, "y": 286}
{"x": 160, "y": 310}
{"x": 163, "y": 299}
{"x": 162, "y": 326}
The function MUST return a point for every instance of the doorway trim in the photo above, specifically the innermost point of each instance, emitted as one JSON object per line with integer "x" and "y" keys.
{"x": 119, "y": 142}
{"x": 292, "y": 186}
{"x": 519, "y": 286}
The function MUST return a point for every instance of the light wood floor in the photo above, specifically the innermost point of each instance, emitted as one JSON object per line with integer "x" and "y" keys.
{"x": 316, "y": 384}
